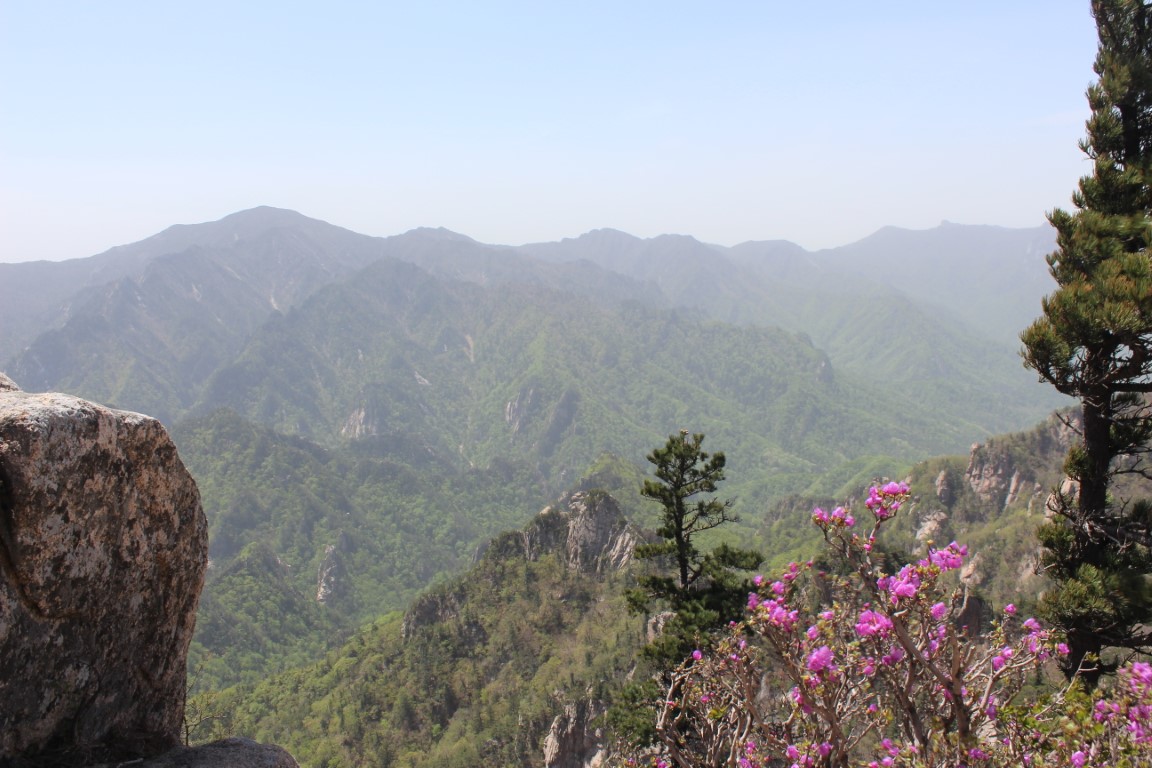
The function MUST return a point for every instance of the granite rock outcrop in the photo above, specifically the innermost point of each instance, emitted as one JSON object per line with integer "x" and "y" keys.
{"x": 576, "y": 738}
{"x": 226, "y": 753}
{"x": 103, "y": 552}
{"x": 585, "y": 529}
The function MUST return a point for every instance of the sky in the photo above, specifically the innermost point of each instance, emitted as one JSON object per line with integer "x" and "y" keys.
{"x": 512, "y": 122}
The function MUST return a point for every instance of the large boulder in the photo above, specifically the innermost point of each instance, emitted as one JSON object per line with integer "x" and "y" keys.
{"x": 103, "y": 550}
{"x": 226, "y": 753}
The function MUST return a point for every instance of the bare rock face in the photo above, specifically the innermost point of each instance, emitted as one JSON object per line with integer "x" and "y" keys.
{"x": 931, "y": 523}
{"x": 588, "y": 529}
{"x": 103, "y": 550}
{"x": 574, "y": 740}
{"x": 994, "y": 475}
{"x": 990, "y": 474}
{"x": 332, "y": 576}
{"x": 972, "y": 573}
{"x": 944, "y": 490}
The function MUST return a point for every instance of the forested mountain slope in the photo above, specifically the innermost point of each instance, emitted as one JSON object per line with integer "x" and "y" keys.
{"x": 477, "y": 671}
{"x": 517, "y": 657}
{"x": 471, "y": 374}
{"x": 384, "y": 428}
{"x": 933, "y": 314}
{"x": 306, "y": 542}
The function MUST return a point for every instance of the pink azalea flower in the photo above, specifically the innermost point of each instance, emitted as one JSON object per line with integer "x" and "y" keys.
{"x": 820, "y": 659}
{"x": 904, "y": 584}
{"x": 893, "y": 656}
{"x": 873, "y": 623}
{"x": 950, "y": 558}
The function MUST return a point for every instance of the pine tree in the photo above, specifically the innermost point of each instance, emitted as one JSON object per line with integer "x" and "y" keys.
{"x": 1094, "y": 342}
{"x": 703, "y": 590}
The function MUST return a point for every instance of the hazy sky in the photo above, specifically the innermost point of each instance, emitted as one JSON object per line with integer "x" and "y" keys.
{"x": 519, "y": 122}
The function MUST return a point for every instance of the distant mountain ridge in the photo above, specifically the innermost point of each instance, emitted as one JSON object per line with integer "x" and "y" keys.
{"x": 35, "y": 296}
{"x": 947, "y": 259}
{"x": 855, "y": 302}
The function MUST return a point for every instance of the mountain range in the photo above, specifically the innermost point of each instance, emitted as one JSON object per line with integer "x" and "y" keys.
{"x": 146, "y": 325}
{"x": 362, "y": 413}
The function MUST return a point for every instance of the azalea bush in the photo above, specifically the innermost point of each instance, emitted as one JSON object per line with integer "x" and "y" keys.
{"x": 868, "y": 666}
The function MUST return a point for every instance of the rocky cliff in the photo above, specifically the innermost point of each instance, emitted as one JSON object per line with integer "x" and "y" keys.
{"x": 993, "y": 500}
{"x": 1013, "y": 468}
{"x": 586, "y": 529}
{"x": 1015, "y": 471}
{"x": 576, "y": 738}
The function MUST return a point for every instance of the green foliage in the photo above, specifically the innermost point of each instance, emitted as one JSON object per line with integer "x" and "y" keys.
{"x": 282, "y": 510}
{"x": 472, "y": 674}
{"x": 1107, "y": 594}
{"x": 1094, "y": 342}
{"x": 253, "y": 621}
{"x": 702, "y": 590}
{"x": 683, "y": 471}
{"x": 630, "y": 717}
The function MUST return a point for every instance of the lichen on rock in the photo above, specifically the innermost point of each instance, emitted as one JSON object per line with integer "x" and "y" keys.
{"x": 103, "y": 551}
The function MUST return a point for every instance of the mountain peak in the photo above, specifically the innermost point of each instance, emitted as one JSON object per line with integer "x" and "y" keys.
{"x": 266, "y": 215}
{"x": 438, "y": 233}
{"x": 949, "y": 228}
{"x": 603, "y": 236}
{"x": 242, "y": 225}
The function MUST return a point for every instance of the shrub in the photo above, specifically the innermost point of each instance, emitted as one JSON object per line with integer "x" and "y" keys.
{"x": 874, "y": 668}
